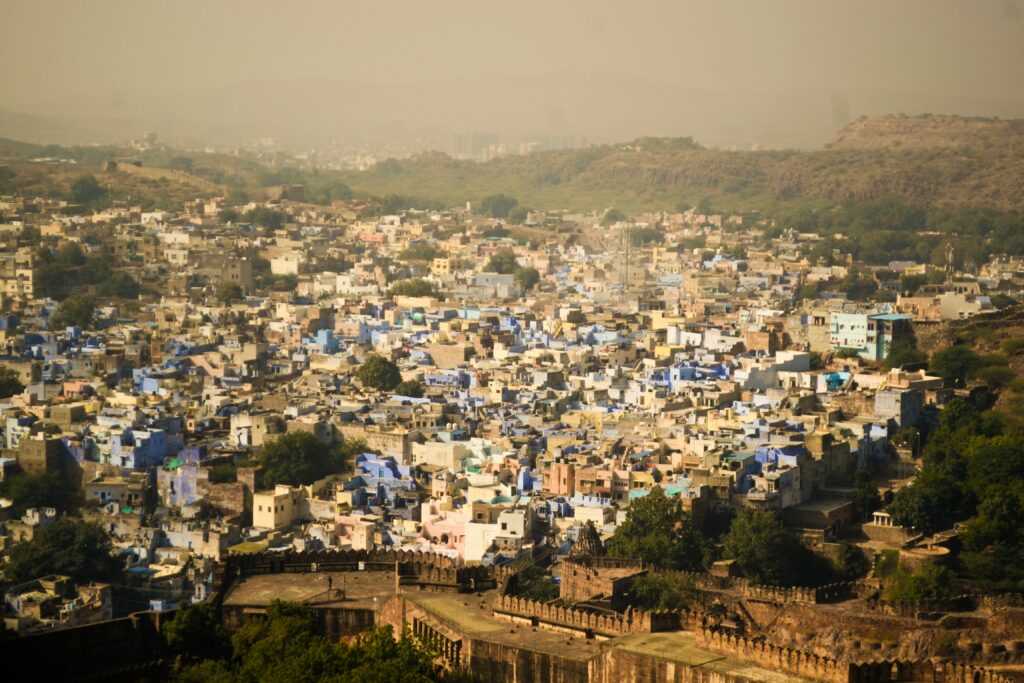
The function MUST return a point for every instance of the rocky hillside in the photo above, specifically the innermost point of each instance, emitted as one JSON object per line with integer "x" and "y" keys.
{"x": 932, "y": 132}
{"x": 931, "y": 161}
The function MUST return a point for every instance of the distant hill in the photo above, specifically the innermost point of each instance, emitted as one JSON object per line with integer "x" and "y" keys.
{"x": 932, "y": 162}
{"x": 942, "y": 161}
{"x": 932, "y": 132}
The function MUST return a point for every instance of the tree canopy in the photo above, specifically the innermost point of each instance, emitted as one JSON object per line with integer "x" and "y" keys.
{"x": 412, "y": 287}
{"x": 196, "y": 633}
{"x": 611, "y": 217}
{"x": 285, "y": 646}
{"x": 300, "y": 458}
{"x": 77, "y": 549}
{"x": 497, "y": 205}
{"x": 37, "y": 491}
{"x": 10, "y": 382}
{"x": 766, "y": 553}
{"x": 86, "y": 190}
{"x": 411, "y": 388}
{"x": 658, "y": 531}
{"x": 75, "y": 311}
{"x": 527, "y": 278}
{"x": 972, "y": 472}
{"x": 503, "y": 262}
{"x": 378, "y": 372}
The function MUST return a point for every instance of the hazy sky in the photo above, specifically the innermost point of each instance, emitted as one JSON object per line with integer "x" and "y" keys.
{"x": 972, "y": 49}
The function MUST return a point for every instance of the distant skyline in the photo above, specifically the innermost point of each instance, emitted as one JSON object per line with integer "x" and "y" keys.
{"x": 728, "y": 73}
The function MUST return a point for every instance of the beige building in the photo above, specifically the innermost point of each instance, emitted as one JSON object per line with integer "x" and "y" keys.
{"x": 277, "y": 509}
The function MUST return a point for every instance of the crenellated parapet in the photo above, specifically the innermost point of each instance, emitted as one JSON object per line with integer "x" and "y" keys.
{"x": 413, "y": 566}
{"x": 553, "y": 614}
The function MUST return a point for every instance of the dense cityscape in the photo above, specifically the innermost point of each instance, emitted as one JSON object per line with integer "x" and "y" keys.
{"x": 457, "y": 342}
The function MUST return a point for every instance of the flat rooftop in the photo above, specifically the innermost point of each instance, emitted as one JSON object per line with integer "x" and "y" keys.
{"x": 681, "y": 647}
{"x": 362, "y": 589}
{"x": 473, "y": 615}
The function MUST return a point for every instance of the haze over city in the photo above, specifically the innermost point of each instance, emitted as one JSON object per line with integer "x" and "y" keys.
{"x": 777, "y": 74}
{"x": 523, "y": 342}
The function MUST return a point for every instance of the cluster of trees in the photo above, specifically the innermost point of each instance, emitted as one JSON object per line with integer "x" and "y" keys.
{"x": 885, "y": 230}
{"x": 377, "y": 372}
{"x": 972, "y": 472}
{"x": 505, "y": 262}
{"x": 903, "y": 351}
{"x": 612, "y": 216}
{"x": 961, "y": 363}
{"x": 38, "y": 491}
{"x": 10, "y": 382}
{"x": 421, "y": 251}
{"x": 641, "y": 237}
{"x": 75, "y": 311}
{"x": 300, "y": 458}
{"x": 498, "y": 205}
{"x": 271, "y": 219}
{"x": 413, "y": 287}
{"x": 87, "y": 191}
{"x": 62, "y": 272}
{"x": 77, "y": 549}
{"x": 658, "y": 531}
{"x": 286, "y": 646}
{"x": 533, "y": 581}
{"x": 411, "y": 388}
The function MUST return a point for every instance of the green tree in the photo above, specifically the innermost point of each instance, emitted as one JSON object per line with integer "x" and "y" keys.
{"x": 669, "y": 591}
{"x": 851, "y": 562}
{"x": 420, "y": 252}
{"x": 300, "y": 458}
{"x": 658, "y": 531}
{"x": 704, "y": 206}
{"x": 865, "y": 494}
{"x": 533, "y": 581}
{"x": 928, "y": 582}
{"x": 47, "y": 490}
{"x": 10, "y": 382}
{"x": 181, "y": 163}
{"x": 993, "y": 541}
{"x": 527, "y": 278}
{"x": 285, "y": 646}
{"x": 229, "y": 292}
{"x": 77, "y": 549}
{"x": 766, "y": 553}
{"x": 196, "y": 633}
{"x": 120, "y": 285}
{"x": 955, "y": 362}
{"x": 928, "y": 505}
{"x": 412, "y": 287}
{"x": 75, "y": 311}
{"x": 265, "y": 218}
{"x": 909, "y": 284}
{"x": 903, "y": 351}
{"x": 379, "y": 373}
{"x": 87, "y": 190}
{"x": 411, "y": 388}
{"x": 807, "y": 291}
{"x": 498, "y": 205}
{"x": 503, "y": 262}
{"x": 518, "y": 215}
{"x": 611, "y": 217}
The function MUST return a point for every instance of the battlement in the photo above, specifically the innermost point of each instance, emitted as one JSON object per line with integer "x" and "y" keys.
{"x": 775, "y": 657}
{"x": 809, "y": 665}
{"x": 415, "y": 567}
{"x": 551, "y": 614}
